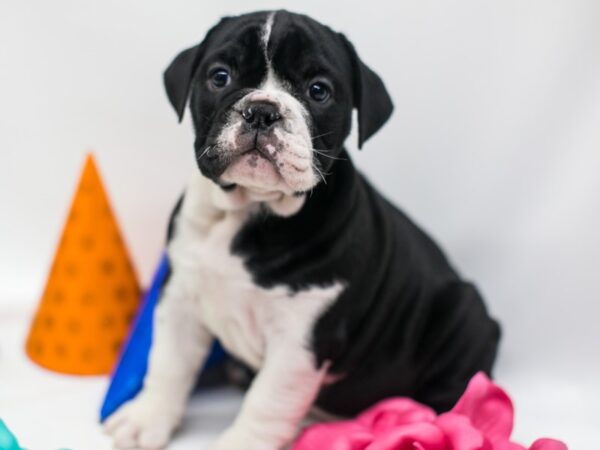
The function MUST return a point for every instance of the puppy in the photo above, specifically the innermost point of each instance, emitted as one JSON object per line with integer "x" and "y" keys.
{"x": 286, "y": 254}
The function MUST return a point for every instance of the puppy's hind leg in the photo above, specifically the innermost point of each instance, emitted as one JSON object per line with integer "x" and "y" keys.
{"x": 460, "y": 340}
{"x": 180, "y": 345}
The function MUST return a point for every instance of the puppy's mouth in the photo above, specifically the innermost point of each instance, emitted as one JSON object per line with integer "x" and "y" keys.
{"x": 256, "y": 166}
{"x": 274, "y": 161}
{"x": 259, "y": 152}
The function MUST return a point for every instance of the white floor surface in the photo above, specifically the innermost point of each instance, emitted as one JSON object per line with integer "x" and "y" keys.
{"x": 48, "y": 411}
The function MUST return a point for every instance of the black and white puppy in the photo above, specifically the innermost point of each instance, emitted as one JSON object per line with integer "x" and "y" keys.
{"x": 283, "y": 251}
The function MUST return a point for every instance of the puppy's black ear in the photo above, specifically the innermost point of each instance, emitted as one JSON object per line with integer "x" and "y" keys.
{"x": 180, "y": 73}
{"x": 178, "y": 77}
{"x": 371, "y": 98}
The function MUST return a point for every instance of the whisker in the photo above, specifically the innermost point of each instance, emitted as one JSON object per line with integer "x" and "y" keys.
{"x": 320, "y": 173}
{"x": 204, "y": 152}
{"x": 321, "y": 135}
{"x": 322, "y": 153}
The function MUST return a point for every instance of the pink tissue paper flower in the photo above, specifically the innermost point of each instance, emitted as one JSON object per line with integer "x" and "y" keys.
{"x": 482, "y": 419}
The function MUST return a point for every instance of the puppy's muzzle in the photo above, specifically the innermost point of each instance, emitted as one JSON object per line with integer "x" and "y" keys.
{"x": 260, "y": 116}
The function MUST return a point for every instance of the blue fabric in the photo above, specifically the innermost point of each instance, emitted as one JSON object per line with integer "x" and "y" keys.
{"x": 128, "y": 376}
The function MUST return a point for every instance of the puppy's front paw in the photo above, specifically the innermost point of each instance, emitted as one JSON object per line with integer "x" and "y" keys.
{"x": 145, "y": 423}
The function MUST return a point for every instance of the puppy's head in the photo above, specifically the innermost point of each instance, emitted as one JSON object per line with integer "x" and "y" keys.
{"x": 271, "y": 96}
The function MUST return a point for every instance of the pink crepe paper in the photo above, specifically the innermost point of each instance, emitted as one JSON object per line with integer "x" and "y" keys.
{"x": 482, "y": 419}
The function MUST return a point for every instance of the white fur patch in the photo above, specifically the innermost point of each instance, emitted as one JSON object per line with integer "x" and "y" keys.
{"x": 233, "y": 308}
{"x": 289, "y": 144}
{"x": 210, "y": 293}
{"x": 266, "y": 35}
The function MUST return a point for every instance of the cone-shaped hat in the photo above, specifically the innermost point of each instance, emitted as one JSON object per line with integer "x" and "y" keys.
{"x": 91, "y": 294}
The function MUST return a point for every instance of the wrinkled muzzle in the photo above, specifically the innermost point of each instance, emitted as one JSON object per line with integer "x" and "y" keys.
{"x": 265, "y": 143}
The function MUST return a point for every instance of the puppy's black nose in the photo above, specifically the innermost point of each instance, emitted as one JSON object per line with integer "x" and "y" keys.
{"x": 261, "y": 115}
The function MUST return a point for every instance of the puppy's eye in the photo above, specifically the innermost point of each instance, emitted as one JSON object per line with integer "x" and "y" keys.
{"x": 220, "y": 78}
{"x": 319, "y": 92}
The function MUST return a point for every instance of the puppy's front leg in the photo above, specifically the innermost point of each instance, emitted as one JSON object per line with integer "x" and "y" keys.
{"x": 278, "y": 399}
{"x": 180, "y": 345}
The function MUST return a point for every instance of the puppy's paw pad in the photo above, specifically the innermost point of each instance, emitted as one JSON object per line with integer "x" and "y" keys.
{"x": 142, "y": 424}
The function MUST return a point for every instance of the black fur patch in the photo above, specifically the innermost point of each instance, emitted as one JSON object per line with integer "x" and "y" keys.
{"x": 405, "y": 324}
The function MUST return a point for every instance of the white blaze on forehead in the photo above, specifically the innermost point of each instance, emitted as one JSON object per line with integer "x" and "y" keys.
{"x": 272, "y": 88}
{"x": 266, "y": 35}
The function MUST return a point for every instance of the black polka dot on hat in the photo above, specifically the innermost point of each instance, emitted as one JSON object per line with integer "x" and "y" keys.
{"x": 107, "y": 266}
{"x": 108, "y": 322}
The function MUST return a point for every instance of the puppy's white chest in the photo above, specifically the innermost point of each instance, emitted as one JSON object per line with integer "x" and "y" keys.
{"x": 239, "y": 313}
{"x": 245, "y": 317}
{"x": 226, "y": 299}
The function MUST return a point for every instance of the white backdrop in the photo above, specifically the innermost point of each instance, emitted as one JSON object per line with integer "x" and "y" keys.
{"x": 494, "y": 148}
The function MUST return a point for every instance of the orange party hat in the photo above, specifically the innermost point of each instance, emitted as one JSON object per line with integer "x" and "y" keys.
{"x": 91, "y": 294}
